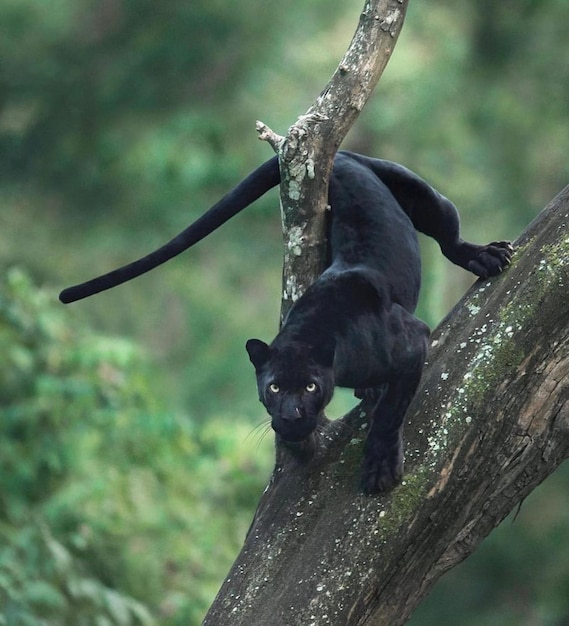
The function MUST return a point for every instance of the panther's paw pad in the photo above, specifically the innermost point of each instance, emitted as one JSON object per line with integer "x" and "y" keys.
{"x": 490, "y": 260}
{"x": 383, "y": 470}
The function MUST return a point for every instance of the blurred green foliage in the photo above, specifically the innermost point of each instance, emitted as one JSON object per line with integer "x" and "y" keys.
{"x": 130, "y": 457}
{"x": 105, "y": 496}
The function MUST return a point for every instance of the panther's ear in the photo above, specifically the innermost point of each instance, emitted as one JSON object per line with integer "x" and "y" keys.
{"x": 258, "y": 351}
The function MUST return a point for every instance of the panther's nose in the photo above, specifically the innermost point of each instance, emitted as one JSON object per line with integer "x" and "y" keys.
{"x": 296, "y": 413}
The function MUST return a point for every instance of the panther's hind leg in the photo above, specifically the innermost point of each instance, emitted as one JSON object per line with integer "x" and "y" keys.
{"x": 436, "y": 216}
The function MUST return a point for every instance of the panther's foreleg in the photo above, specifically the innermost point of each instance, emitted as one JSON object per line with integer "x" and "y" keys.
{"x": 382, "y": 466}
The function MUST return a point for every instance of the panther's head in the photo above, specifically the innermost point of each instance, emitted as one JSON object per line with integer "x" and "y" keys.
{"x": 295, "y": 384}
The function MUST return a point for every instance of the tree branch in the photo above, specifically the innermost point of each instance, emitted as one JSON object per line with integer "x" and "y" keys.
{"x": 489, "y": 423}
{"x": 307, "y": 153}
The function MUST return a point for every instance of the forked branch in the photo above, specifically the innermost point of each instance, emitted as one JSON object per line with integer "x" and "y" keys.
{"x": 307, "y": 152}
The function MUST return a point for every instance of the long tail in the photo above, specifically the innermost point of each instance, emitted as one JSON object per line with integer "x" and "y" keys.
{"x": 250, "y": 189}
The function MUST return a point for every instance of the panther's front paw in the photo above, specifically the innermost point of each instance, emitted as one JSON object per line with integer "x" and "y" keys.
{"x": 382, "y": 467}
{"x": 490, "y": 260}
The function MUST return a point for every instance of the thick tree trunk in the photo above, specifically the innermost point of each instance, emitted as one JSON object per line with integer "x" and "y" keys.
{"x": 489, "y": 423}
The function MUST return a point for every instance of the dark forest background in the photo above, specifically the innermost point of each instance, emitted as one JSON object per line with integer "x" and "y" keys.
{"x": 133, "y": 449}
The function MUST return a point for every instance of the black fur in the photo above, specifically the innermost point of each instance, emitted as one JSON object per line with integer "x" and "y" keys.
{"x": 250, "y": 189}
{"x": 354, "y": 327}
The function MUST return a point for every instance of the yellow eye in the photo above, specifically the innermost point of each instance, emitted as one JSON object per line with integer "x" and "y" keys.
{"x": 274, "y": 388}
{"x": 311, "y": 387}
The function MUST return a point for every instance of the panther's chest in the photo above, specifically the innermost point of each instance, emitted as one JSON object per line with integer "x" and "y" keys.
{"x": 361, "y": 357}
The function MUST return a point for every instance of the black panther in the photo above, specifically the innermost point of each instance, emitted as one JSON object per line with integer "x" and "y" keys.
{"x": 354, "y": 326}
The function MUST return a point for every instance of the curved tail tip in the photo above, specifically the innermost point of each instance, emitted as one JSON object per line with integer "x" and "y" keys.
{"x": 66, "y": 296}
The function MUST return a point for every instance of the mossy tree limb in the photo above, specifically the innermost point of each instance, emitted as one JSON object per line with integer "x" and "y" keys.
{"x": 489, "y": 423}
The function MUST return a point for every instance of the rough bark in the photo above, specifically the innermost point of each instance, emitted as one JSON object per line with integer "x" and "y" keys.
{"x": 307, "y": 152}
{"x": 489, "y": 422}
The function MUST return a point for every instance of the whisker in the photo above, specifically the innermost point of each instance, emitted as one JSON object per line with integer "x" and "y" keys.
{"x": 259, "y": 432}
{"x": 263, "y": 434}
{"x": 255, "y": 430}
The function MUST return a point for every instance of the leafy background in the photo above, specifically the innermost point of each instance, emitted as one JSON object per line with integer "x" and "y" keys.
{"x": 132, "y": 447}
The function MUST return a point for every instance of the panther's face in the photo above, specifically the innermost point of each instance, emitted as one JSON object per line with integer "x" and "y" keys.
{"x": 292, "y": 386}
